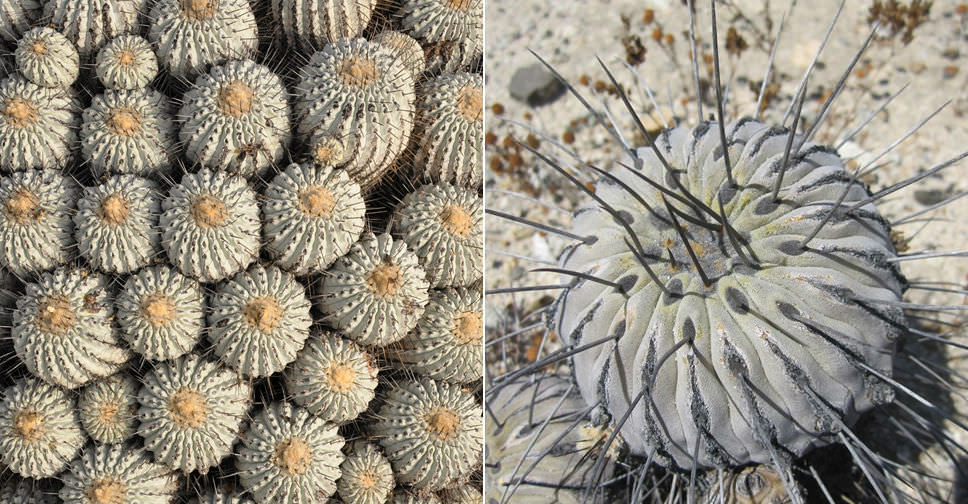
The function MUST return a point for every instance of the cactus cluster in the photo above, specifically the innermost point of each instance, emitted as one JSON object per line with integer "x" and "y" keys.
{"x": 204, "y": 289}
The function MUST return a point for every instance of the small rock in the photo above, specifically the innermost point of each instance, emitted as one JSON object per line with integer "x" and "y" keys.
{"x": 535, "y": 85}
{"x": 929, "y": 197}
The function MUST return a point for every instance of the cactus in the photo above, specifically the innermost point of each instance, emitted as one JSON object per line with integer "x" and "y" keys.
{"x": 37, "y": 125}
{"x": 446, "y": 344}
{"x": 27, "y": 491}
{"x": 62, "y": 329}
{"x": 39, "y": 429}
{"x": 46, "y": 58}
{"x": 116, "y": 473}
{"x": 126, "y": 62}
{"x": 221, "y": 497}
{"x": 16, "y": 17}
{"x": 161, "y": 313}
{"x": 461, "y": 494}
{"x": 367, "y": 477}
{"x": 405, "y": 47}
{"x": 431, "y": 432}
{"x": 332, "y": 378}
{"x": 451, "y": 130}
{"x": 107, "y": 409}
{"x": 36, "y": 231}
{"x": 191, "y": 34}
{"x": 309, "y": 25}
{"x": 444, "y": 226}
{"x": 191, "y": 411}
{"x": 116, "y": 224}
{"x": 451, "y": 30}
{"x": 376, "y": 292}
{"x": 91, "y": 23}
{"x": 289, "y": 456}
{"x": 236, "y": 117}
{"x": 210, "y": 225}
{"x": 311, "y": 217}
{"x": 128, "y": 131}
{"x": 363, "y": 94}
{"x": 259, "y": 320}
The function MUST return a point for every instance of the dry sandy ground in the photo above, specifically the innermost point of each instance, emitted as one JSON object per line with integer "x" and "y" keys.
{"x": 570, "y": 35}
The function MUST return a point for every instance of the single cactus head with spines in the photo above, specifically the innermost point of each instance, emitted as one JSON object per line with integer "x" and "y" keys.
{"x": 326, "y": 151}
{"x": 39, "y": 429}
{"x": 259, "y": 320}
{"x": 88, "y": 24}
{"x": 452, "y": 31}
{"x": 446, "y": 344}
{"x": 63, "y": 329}
{"x": 46, "y": 58}
{"x": 128, "y": 131}
{"x": 161, "y": 313}
{"x": 333, "y": 378}
{"x": 236, "y": 117}
{"x": 191, "y": 411}
{"x": 107, "y": 408}
{"x": 288, "y": 455}
{"x": 189, "y": 35}
{"x": 406, "y": 48}
{"x": 375, "y": 293}
{"x": 430, "y": 431}
{"x": 367, "y": 477}
{"x": 311, "y": 217}
{"x": 210, "y": 225}
{"x": 36, "y": 230}
{"x": 118, "y": 474}
{"x": 126, "y": 62}
{"x": 451, "y": 129}
{"x": 17, "y": 17}
{"x": 37, "y": 125}
{"x": 362, "y": 93}
{"x": 444, "y": 226}
{"x": 310, "y": 26}
{"x": 116, "y": 224}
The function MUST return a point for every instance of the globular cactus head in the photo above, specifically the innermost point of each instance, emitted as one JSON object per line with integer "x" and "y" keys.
{"x": 63, "y": 329}
{"x": 37, "y": 125}
{"x": 450, "y": 115}
{"x": 406, "y": 47}
{"x": 39, "y": 429}
{"x": 444, "y": 226}
{"x": 191, "y": 411}
{"x": 289, "y": 455}
{"x": 366, "y": 476}
{"x": 431, "y": 431}
{"x": 376, "y": 293}
{"x": 236, "y": 117}
{"x": 452, "y": 31}
{"x": 17, "y": 18}
{"x": 128, "y": 132}
{"x": 107, "y": 408}
{"x": 310, "y": 26}
{"x": 259, "y": 319}
{"x": 118, "y": 473}
{"x": 36, "y": 230}
{"x": 446, "y": 344}
{"x": 126, "y": 62}
{"x": 88, "y": 24}
{"x": 46, "y": 58}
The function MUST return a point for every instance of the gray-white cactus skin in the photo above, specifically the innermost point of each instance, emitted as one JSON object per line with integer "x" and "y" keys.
{"x": 116, "y": 473}
{"x": 128, "y": 131}
{"x": 451, "y": 129}
{"x": 37, "y": 125}
{"x": 63, "y": 329}
{"x": 453, "y": 30}
{"x": 366, "y": 475}
{"x": 39, "y": 429}
{"x": 27, "y": 491}
{"x": 446, "y": 344}
{"x": 444, "y": 226}
{"x": 161, "y": 313}
{"x": 191, "y": 412}
{"x": 210, "y": 225}
{"x": 107, "y": 408}
{"x": 310, "y": 25}
{"x": 88, "y": 24}
{"x": 46, "y": 58}
{"x": 410, "y": 496}
{"x": 733, "y": 300}
{"x": 36, "y": 230}
{"x": 16, "y": 17}
{"x": 311, "y": 217}
{"x": 462, "y": 494}
{"x": 189, "y": 35}
{"x": 333, "y": 378}
{"x": 126, "y": 62}
{"x": 535, "y": 447}
{"x": 116, "y": 224}
{"x": 375, "y": 293}
{"x": 362, "y": 93}
{"x": 259, "y": 320}
{"x": 289, "y": 456}
{"x": 236, "y": 117}
{"x": 431, "y": 432}
{"x": 405, "y": 47}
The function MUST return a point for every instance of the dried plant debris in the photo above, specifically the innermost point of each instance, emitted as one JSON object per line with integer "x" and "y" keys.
{"x": 191, "y": 194}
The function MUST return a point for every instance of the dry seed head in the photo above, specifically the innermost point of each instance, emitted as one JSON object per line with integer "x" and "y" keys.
{"x": 158, "y": 309}
{"x": 187, "y": 408}
{"x": 442, "y": 422}
{"x": 21, "y": 113}
{"x": 293, "y": 456}
{"x": 385, "y": 280}
{"x": 316, "y": 201}
{"x": 208, "y": 211}
{"x": 54, "y": 315}
{"x": 124, "y": 121}
{"x": 262, "y": 313}
{"x": 235, "y": 99}
{"x": 360, "y": 72}
{"x": 113, "y": 209}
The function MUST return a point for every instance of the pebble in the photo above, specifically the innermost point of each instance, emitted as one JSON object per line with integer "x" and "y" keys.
{"x": 535, "y": 85}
